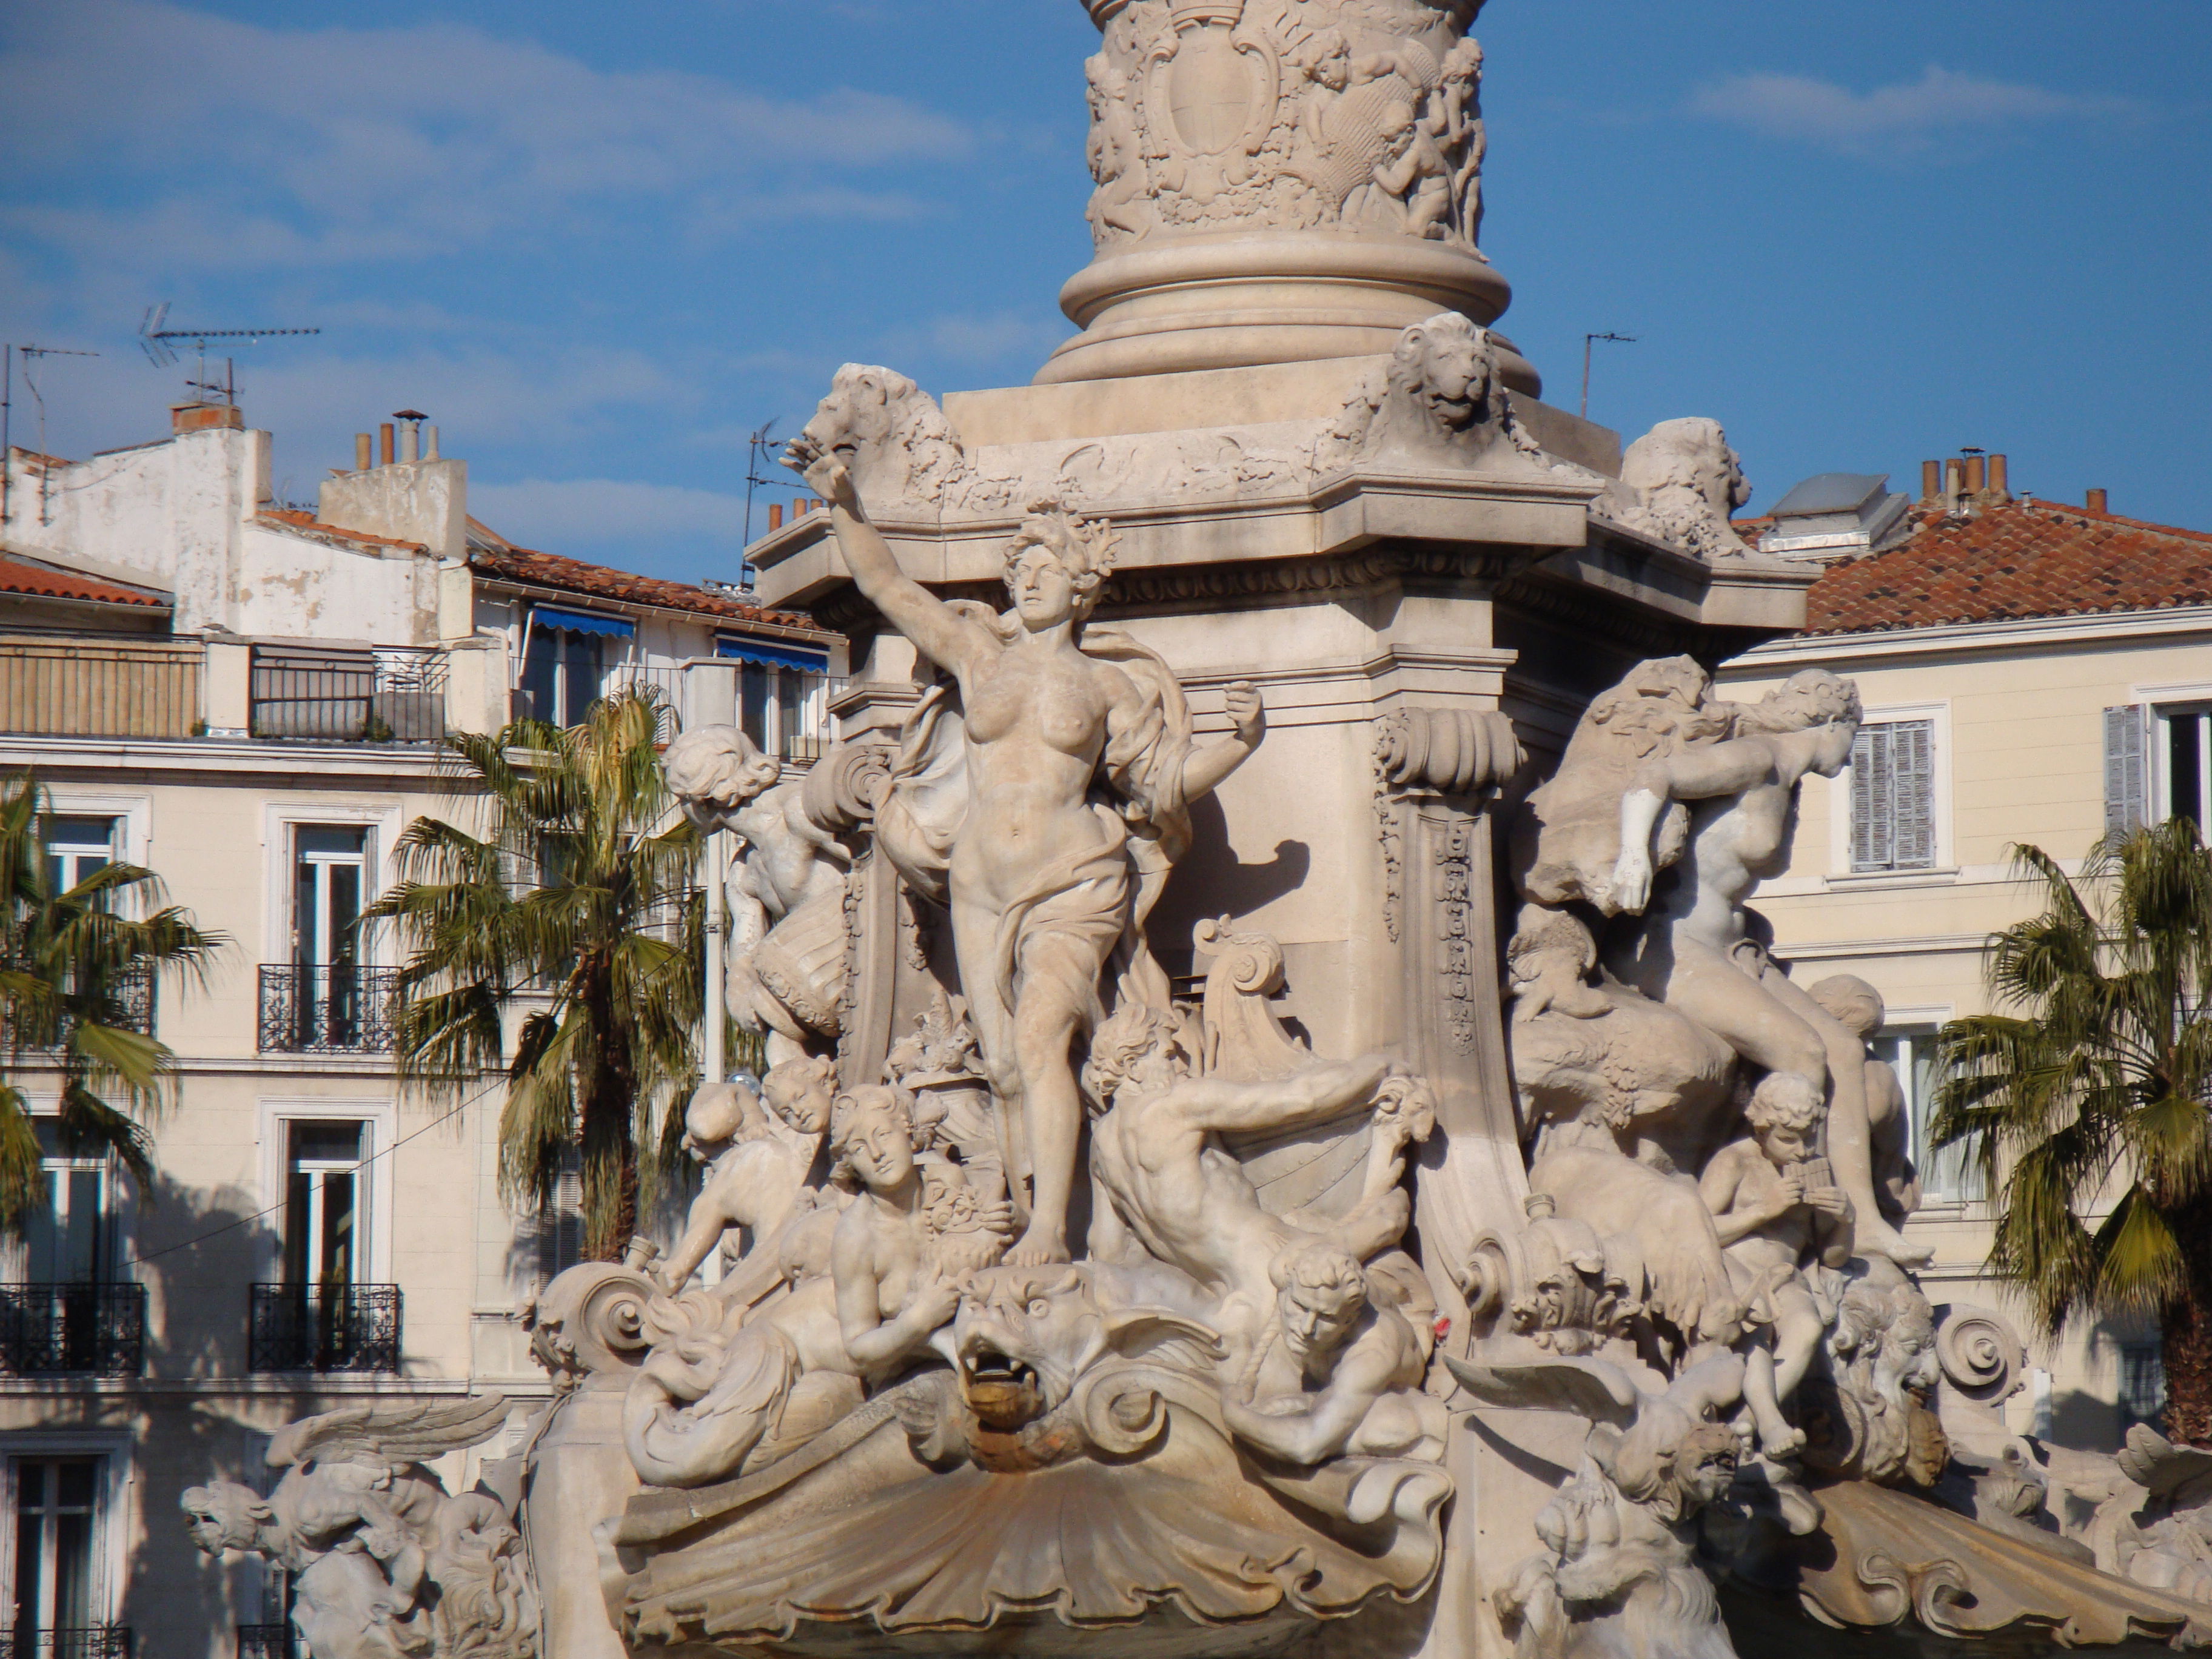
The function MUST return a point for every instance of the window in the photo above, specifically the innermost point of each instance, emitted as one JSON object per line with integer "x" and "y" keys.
{"x": 77, "y": 848}
{"x": 1951, "y": 1175}
{"x": 322, "y": 1202}
{"x": 2143, "y": 1383}
{"x": 2183, "y": 739}
{"x": 329, "y": 871}
{"x": 56, "y": 1512}
{"x": 563, "y": 671}
{"x": 69, "y": 1239}
{"x": 1893, "y": 796}
{"x": 560, "y": 1226}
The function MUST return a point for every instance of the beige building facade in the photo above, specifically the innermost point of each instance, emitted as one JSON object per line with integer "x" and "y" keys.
{"x": 2032, "y": 673}
{"x": 247, "y": 698}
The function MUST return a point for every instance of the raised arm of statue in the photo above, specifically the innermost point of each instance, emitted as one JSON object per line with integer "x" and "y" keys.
{"x": 1706, "y": 773}
{"x": 939, "y": 633}
{"x": 1208, "y": 766}
{"x": 1212, "y": 1105}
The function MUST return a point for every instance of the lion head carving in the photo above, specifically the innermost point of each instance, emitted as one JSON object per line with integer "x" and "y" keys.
{"x": 1679, "y": 482}
{"x": 891, "y": 434}
{"x": 1439, "y": 401}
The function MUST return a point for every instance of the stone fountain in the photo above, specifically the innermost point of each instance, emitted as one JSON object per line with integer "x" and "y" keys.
{"x": 1281, "y": 1136}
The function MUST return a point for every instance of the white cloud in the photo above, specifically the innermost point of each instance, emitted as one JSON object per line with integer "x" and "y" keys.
{"x": 247, "y": 145}
{"x": 1909, "y": 116}
{"x": 564, "y": 515}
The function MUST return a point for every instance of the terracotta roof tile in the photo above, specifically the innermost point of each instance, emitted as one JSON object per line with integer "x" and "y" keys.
{"x": 40, "y": 583}
{"x": 2027, "y": 559}
{"x": 309, "y": 522}
{"x": 523, "y": 564}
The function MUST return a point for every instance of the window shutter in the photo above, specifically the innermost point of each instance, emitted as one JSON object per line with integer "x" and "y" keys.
{"x": 2125, "y": 771}
{"x": 1913, "y": 773}
{"x": 1870, "y": 797}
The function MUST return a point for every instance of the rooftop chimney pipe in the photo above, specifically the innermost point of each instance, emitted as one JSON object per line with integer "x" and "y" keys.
{"x": 1931, "y": 480}
{"x": 362, "y": 452}
{"x": 1976, "y": 474}
{"x": 2097, "y": 501}
{"x": 384, "y": 443}
{"x": 2000, "y": 479}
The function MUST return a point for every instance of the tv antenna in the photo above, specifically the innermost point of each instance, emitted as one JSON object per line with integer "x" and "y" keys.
{"x": 1589, "y": 340}
{"x": 29, "y": 354}
{"x": 756, "y": 450}
{"x": 159, "y": 341}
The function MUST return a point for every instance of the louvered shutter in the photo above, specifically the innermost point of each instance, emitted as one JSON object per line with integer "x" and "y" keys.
{"x": 2125, "y": 772}
{"x": 1869, "y": 798}
{"x": 1912, "y": 834}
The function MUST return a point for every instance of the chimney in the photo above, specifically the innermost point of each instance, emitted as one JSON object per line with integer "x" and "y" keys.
{"x": 2000, "y": 481}
{"x": 1955, "y": 483}
{"x": 1931, "y": 482}
{"x": 429, "y": 443}
{"x": 362, "y": 454}
{"x": 1976, "y": 474}
{"x": 206, "y": 417}
{"x": 2097, "y": 501}
{"x": 775, "y": 516}
{"x": 384, "y": 444}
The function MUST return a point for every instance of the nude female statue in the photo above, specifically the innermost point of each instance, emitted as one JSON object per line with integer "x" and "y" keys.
{"x": 1697, "y": 956}
{"x": 1041, "y": 880}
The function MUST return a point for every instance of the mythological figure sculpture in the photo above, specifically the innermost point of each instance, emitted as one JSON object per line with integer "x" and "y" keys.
{"x": 384, "y": 1562}
{"x": 787, "y": 946}
{"x": 1045, "y": 887}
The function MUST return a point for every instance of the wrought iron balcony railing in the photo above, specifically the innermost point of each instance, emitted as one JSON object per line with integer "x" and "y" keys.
{"x": 324, "y": 1328}
{"x": 268, "y": 1642}
{"x": 96, "y": 1329}
{"x": 333, "y": 694}
{"x": 327, "y": 1011}
{"x": 91, "y": 1642}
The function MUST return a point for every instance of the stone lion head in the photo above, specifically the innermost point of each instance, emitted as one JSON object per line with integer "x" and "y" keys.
{"x": 225, "y": 1516}
{"x": 1446, "y": 370}
{"x": 889, "y": 433}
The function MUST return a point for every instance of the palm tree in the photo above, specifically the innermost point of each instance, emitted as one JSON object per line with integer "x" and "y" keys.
{"x": 72, "y": 963}
{"x": 2095, "y": 1077}
{"x": 581, "y": 891}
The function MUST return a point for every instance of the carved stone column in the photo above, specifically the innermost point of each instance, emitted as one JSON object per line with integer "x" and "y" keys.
{"x": 1279, "y": 181}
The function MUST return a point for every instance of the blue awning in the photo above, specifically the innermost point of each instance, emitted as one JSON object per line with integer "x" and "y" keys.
{"x": 772, "y": 654}
{"x": 585, "y": 621}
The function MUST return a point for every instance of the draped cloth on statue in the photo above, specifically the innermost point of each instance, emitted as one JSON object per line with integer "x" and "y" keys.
{"x": 1086, "y": 909}
{"x": 1184, "y": 1537}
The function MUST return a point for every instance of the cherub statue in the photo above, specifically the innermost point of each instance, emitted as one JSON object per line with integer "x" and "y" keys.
{"x": 1775, "y": 1211}
{"x": 1410, "y": 190}
{"x": 1045, "y": 885}
{"x": 1337, "y": 1373}
{"x": 721, "y": 1391}
{"x": 1115, "y": 150}
{"x": 757, "y": 1169}
{"x": 1453, "y": 120}
{"x": 385, "y": 1562}
{"x": 786, "y": 945}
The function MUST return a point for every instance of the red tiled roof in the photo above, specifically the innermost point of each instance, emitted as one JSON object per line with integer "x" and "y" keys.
{"x": 310, "y": 523}
{"x": 523, "y": 564}
{"x": 39, "y": 582}
{"x": 2028, "y": 559}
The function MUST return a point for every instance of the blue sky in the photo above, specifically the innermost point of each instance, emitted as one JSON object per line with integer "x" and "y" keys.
{"x": 600, "y": 244}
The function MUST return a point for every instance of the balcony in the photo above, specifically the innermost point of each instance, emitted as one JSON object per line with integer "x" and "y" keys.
{"x": 54, "y": 1330}
{"x": 96, "y": 688}
{"x": 268, "y": 1642}
{"x": 321, "y": 695}
{"x": 93, "y": 1642}
{"x": 328, "y": 1327}
{"x": 339, "y": 1010}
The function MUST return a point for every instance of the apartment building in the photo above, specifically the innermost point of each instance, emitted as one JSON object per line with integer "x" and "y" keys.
{"x": 247, "y": 696}
{"x": 2033, "y": 671}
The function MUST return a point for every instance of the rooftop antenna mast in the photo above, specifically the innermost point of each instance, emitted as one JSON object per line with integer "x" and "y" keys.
{"x": 757, "y": 452}
{"x": 157, "y": 337}
{"x": 1589, "y": 340}
{"x": 29, "y": 354}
